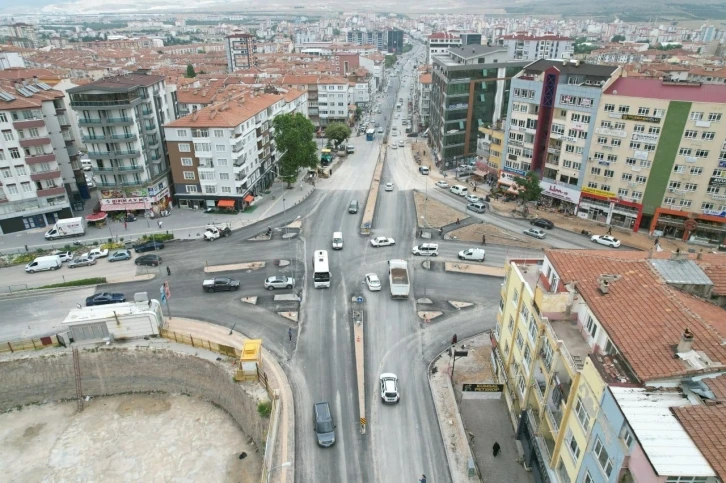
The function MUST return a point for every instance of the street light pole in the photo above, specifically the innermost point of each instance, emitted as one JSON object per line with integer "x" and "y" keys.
{"x": 284, "y": 465}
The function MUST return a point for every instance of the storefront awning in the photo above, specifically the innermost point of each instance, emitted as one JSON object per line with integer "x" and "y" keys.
{"x": 225, "y": 204}
{"x": 124, "y": 207}
{"x": 249, "y": 199}
{"x": 96, "y": 217}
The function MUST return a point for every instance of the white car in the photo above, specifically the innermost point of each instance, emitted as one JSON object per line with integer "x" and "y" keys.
{"x": 389, "y": 388}
{"x": 373, "y": 282}
{"x": 472, "y": 199}
{"x": 394, "y": 146}
{"x": 442, "y": 184}
{"x": 476, "y": 254}
{"x": 382, "y": 241}
{"x": 426, "y": 249}
{"x": 389, "y": 186}
{"x": 401, "y": 143}
{"x": 606, "y": 240}
{"x": 279, "y": 281}
{"x": 98, "y": 252}
{"x": 535, "y": 232}
{"x": 64, "y": 256}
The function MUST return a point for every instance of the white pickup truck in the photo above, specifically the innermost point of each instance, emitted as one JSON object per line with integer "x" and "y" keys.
{"x": 398, "y": 278}
{"x": 212, "y": 232}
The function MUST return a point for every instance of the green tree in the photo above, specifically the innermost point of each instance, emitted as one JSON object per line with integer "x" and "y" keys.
{"x": 390, "y": 60}
{"x": 336, "y": 32}
{"x": 528, "y": 188}
{"x": 294, "y": 139}
{"x": 338, "y": 132}
{"x": 407, "y": 48}
{"x": 358, "y": 113}
{"x": 617, "y": 38}
{"x": 190, "y": 72}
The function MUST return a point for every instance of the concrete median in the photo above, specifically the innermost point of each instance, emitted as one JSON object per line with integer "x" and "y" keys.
{"x": 370, "y": 209}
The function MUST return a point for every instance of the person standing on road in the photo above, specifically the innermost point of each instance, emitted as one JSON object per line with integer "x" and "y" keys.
{"x": 610, "y": 230}
{"x": 454, "y": 339}
{"x": 496, "y": 448}
{"x": 458, "y": 222}
{"x": 289, "y": 334}
{"x": 168, "y": 271}
{"x": 159, "y": 224}
{"x": 483, "y": 239}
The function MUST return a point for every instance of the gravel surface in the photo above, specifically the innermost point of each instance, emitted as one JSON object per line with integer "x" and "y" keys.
{"x": 437, "y": 214}
{"x": 496, "y": 236}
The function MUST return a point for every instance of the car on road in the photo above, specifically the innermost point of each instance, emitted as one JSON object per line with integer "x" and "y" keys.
{"x": 477, "y": 207}
{"x": 442, "y": 184}
{"x": 353, "y": 207}
{"x": 119, "y": 255}
{"x": 423, "y": 170}
{"x": 426, "y": 249}
{"x": 535, "y": 232}
{"x": 389, "y": 186}
{"x": 152, "y": 260}
{"x": 606, "y": 240}
{"x": 389, "y": 388}
{"x": 279, "y": 281}
{"x": 542, "y": 223}
{"x": 324, "y": 424}
{"x": 149, "y": 246}
{"x": 64, "y": 256}
{"x": 105, "y": 298}
{"x": 82, "y": 262}
{"x": 476, "y": 254}
{"x": 472, "y": 199}
{"x": 373, "y": 282}
{"x": 380, "y": 130}
{"x": 459, "y": 190}
{"x": 382, "y": 241}
{"x": 394, "y": 146}
{"x": 98, "y": 252}
{"x": 220, "y": 284}
{"x": 401, "y": 143}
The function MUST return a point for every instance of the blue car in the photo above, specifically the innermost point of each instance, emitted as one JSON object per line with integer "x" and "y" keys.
{"x": 119, "y": 255}
{"x": 149, "y": 247}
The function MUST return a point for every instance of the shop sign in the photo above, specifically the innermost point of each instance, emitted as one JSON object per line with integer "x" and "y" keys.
{"x": 515, "y": 171}
{"x": 123, "y": 201}
{"x": 598, "y": 192}
{"x": 717, "y": 182}
{"x": 569, "y": 139}
{"x": 612, "y": 132}
{"x": 124, "y": 193}
{"x": 645, "y": 137}
{"x": 560, "y": 192}
{"x": 635, "y": 117}
{"x": 721, "y": 214}
{"x": 640, "y": 155}
{"x": 579, "y": 126}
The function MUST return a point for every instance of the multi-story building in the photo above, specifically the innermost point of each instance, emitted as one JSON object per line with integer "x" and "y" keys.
{"x": 470, "y": 89}
{"x": 394, "y": 41}
{"x": 530, "y": 47}
{"x": 367, "y": 37}
{"x": 552, "y": 112}
{"x": 23, "y": 35}
{"x": 224, "y": 155}
{"x": 602, "y": 381}
{"x": 40, "y": 172}
{"x": 489, "y": 148}
{"x": 120, "y": 120}
{"x": 423, "y": 96}
{"x": 328, "y": 97}
{"x": 439, "y": 43}
{"x": 241, "y": 50}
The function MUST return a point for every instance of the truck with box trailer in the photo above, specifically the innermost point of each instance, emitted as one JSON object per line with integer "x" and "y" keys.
{"x": 398, "y": 279}
{"x": 66, "y": 227}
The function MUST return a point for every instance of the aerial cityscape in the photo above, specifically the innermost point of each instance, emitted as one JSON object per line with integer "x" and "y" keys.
{"x": 475, "y": 242}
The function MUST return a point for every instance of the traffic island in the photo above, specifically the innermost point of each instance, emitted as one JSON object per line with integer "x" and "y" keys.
{"x": 460, "y": 305}
{"x": 474, "y": 269}
{"x": 289, "y": 315}
{"x": 431, "y": 213}
{"x": 429, "y": 315}
{"x": 370, "y": 208}
{"x": 478, "y": 232}
{"x": 234, "y": 266}
{"x": 249, "y": 300}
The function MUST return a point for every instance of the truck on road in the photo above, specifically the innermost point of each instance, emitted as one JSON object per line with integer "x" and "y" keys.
{"x": 398, "y": 278}
{"x": 212, "y": 232}
{"x": 220, "y": 284}
{"x": 66, "y": 227}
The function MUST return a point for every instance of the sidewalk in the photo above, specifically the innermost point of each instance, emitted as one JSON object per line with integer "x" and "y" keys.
{"x": 183, "y": 222}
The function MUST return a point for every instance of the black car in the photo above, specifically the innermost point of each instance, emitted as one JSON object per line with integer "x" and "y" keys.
{"x": 149, "y": 247}
{"x": 153, "y": 260}
{"x": 130, "y": 217}
{"x": 105, "y": 298}
{"x": 220, "y": 284}
{"x": 542, "y": 223}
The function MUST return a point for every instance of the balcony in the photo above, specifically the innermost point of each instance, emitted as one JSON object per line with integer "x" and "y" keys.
{"x": 116, "y": 169}
{"x": 112, "y": 154}
{"x": 56, "y": 191}
{"x": 41, "y": 158}
{"x": 155, "y": 157}
{"x": 28, "y": 123}
{"x": 152, "y": 142}
{"x": 108, "y": 137}
{"x": 29, "y": 207}
{"x": 123, "y": 183}
{"x": 105, "y": 121}
{"x": 102, "y": 104}
{"x": 147, "y": 112}
{"x": 50, "y": 174}
{"x": 39, "y": 141}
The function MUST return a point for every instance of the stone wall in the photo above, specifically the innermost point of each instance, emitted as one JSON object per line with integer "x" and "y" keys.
{"x": 36, "y": 378}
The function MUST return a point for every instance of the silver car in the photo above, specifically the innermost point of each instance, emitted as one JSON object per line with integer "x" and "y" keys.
{"x": 82, "y": 262}
{"x": 535, "y": 232}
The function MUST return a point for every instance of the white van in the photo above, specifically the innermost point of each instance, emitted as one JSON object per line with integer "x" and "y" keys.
{"x": 338, "y": 240}
{"x": 51, "y": 262}
{"x": 459, "y": 190}
{"x": 477, "y": 254}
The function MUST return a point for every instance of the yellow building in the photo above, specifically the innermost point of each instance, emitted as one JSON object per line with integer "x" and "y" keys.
{"x": 489, "y": 146}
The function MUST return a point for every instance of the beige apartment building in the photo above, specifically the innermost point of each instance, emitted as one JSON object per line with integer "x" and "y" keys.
{"x": 659, "y": 154}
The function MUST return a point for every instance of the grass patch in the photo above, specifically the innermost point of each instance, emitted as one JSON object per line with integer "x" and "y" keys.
{"x": 250, "y": 209}
{"x": 76, "y": 283}
{"x": 160, "y": 237}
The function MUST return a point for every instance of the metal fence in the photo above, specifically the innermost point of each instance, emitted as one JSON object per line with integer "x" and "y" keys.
{"x": 201, "y": 343}
{"x": 29, "y": 344}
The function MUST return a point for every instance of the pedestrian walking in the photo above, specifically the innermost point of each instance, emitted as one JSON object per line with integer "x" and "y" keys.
{"x": 483, "y": 239}
{"x": 168, "y": 271}
{"x": 422, "y": 479}
{"x": 126, "y": 226}
{"x": 495, "y": 449}
{"x": 159, "y": 224}
{"x": 656, "y": 240}
{"x": 610, "y": 230}
{"x": 454, "y": 340}
{"x": 289, "y": 334}
{"x": 458, "y": 222}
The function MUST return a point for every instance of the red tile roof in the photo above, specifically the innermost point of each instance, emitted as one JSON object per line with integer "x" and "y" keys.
{"x": 643, "y": 316}
{"x": 657, "y": 89}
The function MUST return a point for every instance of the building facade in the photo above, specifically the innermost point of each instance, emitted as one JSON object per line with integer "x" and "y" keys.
{"x": 121, "y": 121}
{"x": 470, "y": 88}
{"x": 40, "y": 173}
{"x": 367, "y": 37}
{"x": 241, "y": 50}
{"x": 529, "y": 47}
{"x": 328, "y": 97}
{"x": 224, "y": 155}
{"x": 439, "y": 43}
{"x": 394, "y": 41}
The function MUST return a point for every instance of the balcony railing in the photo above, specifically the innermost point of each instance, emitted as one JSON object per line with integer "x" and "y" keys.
{"x": 111, "y": 137}
{"x": 554, "y": 417}
{"x": 111, "y": 169}
{"x": 40, "y": 158}
{"x": 55, "y": 191}
{"x": 48, "y": 174}
{"x": 106, "y": 120}
{"x": 123, "y": 183}
{"x": 112, "y": 154}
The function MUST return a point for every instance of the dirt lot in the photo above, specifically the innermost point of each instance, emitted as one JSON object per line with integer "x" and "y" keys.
{"x": 437, "y": 214}
{"x": 137, "y": 437}
{"x": 495, "y": 235}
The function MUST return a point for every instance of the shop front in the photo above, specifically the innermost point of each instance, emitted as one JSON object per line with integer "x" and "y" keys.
{"x": 559, "y": 197}
{"x": 708, "y": 227}
{"x": 154, "y": 200}
{"x": 506, "y": 181}
{"x": 606, "y": 207}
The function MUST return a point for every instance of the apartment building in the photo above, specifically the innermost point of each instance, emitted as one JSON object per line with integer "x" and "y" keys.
{"x": 552, "y": 117}
{"x": 470, "y": 88}
{"x": 40, "y": 173}
{"x": 121, "y": 121}
{"x": 489, "y": 149}
{"x": 423, "y": 98}
{"x": 439, "y": 43}
{"x": 602, "y": 381}
{"x": 328, "y": 97}
{"x": 224, "y": 155}
{"x": 241, "y": 51}
{"x": 523, "y": 46}
{"x": 367, "y": 37}
{"x": 394, "y": 41}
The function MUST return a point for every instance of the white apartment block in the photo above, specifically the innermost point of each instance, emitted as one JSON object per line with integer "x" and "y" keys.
{"x": 39, "y": 161}
{"x": 224, "y": 155}
{"x": 328, "y": 97}
{"x": 439, "y": 43}
{"x": 530, "y": 47}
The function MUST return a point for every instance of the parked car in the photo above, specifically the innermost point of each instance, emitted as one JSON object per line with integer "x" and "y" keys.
{"x": 382, "y": 241}
{"x": 472, "y": 199}
{"x": 389, "y": 388}
{"x": 98, "y": 252}
{"x": 401, "y": 143}
{"x": 373, "y": 282}
{"x": 389, "y": 186}
{"x": 220, "y": 284}
{"x": 279, "y": 281}
{"x": 476, "y": 254}
{"x": 535, "y": 232}
{"x": 83, "y": 261}
{"x": 130, "y": 217}
{"x": 426, "y": 249}
{"x": 105, "y": 298}
{"x": 442, "y": 184}
{"x": 64, "y": 256}
{"x": 606, "y": 240}
{"x": 149, "y": 246}
{"x": 542, "y": 223}
{"x": 152, "y": 260}
{"x": 119, "y": 255}
{"x": 394, "y": 146}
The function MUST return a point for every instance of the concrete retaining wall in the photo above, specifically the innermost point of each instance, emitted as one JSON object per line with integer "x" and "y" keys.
{"x": 109, "y": 371}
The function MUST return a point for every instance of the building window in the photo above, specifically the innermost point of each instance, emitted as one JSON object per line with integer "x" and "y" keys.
{"x": 184, "y": 148}
{"x": 654, "y": 130}
{"x": 588, "y": 478}
{"x": 602, "y": 140}
{"x": 686, "y": 203}
{"x": 644, "y": 163}
{"x": 221, "y": 162}
{"x": 615, "y": 142}
{"x": 696, "y": 171}
{"x": 639, "y": 128}
{"x": 210, "y": 189}
{"x": 224, "y": 176}
{"x": 12, "y": 189}
{"x": 690, "y": 187}
{"x": 626, "y": 436}
{"x": 659, "y": 113}
{"x": 182, "y": 133}
{"x": 627, "y": 177}
{"x": 510, "y": 326}
{"x": 609, "y": 108}
{"x": 8, "y": 135}
{"x": 640, "y": 179}
{"x": 591, "y": 326}
{"x": 685, "y": 151}
{"x": 191, "y": 188}
{"x": 634, "y": 145}
{"x": 707, "y": 135}
{"x": 648, "y": 147}
{"x": 595, "y": 171}
{"x": 20, "y": 171}
{"x": 622, "y": 192}
{"x": 572, "y": 445}
{"x": 714, "y": 117}
{"x": 187, "y": 162}
{"x": 515, "y": 296}
{"x": 189, "y": 175}
{"x": 3, "y": 117}
{"x": 609, "y": 173}
{"x": 220, "y": 148}
{"x": 582, "y": 416}
{"x": 696, "y": 116}
{"x": 605, "y": 187}
{"x": 686, "y": 479}
{"x": 521, "y": 385}
{"x": 562, "y": 472}
{"x": 643, "y": 111}
{"x": 520, "y": 340}
{"x": 612, "y": 158}
{"x": 6, "y": 172}
{"x": 219, "y": 133}
{"x": 623, "y": 109}
{"x": 26, "y": 187}
{"x": 701, "y": 153}
{"x": 592, "y": 184}
{"x": 226, "y": 189}
{"x": 603, "y": 459}
{"x": 690, "y": 134}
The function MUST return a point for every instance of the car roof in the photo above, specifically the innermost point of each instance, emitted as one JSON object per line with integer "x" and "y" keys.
{"x": 388, "y": 375}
